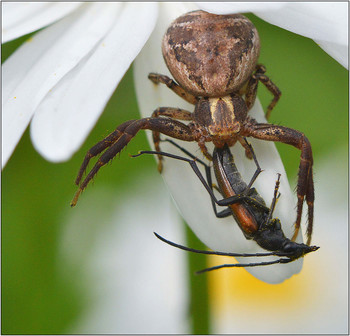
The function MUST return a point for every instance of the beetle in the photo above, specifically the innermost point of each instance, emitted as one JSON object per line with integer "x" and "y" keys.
{"x": 214, "y": 61}
{"x": 247, "y": 207}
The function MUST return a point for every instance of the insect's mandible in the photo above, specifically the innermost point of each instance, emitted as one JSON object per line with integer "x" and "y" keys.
{"x": 214, "y": 60}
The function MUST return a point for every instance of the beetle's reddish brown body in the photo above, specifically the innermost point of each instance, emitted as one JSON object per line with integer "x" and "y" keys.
{"x": 214, "y": 59}
{"x": 211, "y": 55}
{"x": 245, "y": 219}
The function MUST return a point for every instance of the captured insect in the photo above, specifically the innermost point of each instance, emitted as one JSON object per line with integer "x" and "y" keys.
{"x": 214, "y": 60}
{"x": 247, "y": 207}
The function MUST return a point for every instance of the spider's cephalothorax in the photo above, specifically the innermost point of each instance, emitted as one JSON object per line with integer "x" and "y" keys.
{"x": 222, "y": 118}
{"x": 214, "y": 60}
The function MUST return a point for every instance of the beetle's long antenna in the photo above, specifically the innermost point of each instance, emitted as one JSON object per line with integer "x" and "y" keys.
{"x": 229, "y": 254}
{"x": 264, "y": 263}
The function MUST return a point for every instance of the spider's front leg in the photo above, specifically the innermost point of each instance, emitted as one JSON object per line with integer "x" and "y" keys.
{"x": 116, "y": 141}
{"x": 170, "y": 112}
{"x": 305, "y": 187}
{"x": 101, "y": 146}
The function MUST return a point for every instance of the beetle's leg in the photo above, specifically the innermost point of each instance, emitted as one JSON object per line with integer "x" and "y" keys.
{"x": 252, "y": 88}
{"x": 168, "y": 127}
{"x": 101, "y": 146}
{"x": 305, "y": 187}
{"x": 171, "y": 112}
{"x": 224, "y": 202}
{"x": 248, "y": 190}
{"x": 214, "y": 186}
{"x": 222, "y": 214}
{"x": 274, "y": 200}
{"x": 172, "y": 85}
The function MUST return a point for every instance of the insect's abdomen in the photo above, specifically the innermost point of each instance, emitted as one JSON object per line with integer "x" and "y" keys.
{"x": 236, "y": 181}
{"x": 230, "y": 183}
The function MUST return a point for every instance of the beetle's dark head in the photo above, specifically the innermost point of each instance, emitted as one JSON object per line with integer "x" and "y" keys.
{"x": 271, "y": 237}
{"x": 295, "y": 250}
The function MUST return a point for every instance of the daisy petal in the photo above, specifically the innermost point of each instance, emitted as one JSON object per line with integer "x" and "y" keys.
{"x": 238, "y": 7}
{"x": 322, "y": 22}
{"x": 326, "y": 23}
{"x": 319, "y": 21}
{"x": 69, "y": 112}
{"x": 38, "y": 65}
{"x": 189, "y": 194}
{"x": 339, "y": 52}
{"x": 23, "y": 18}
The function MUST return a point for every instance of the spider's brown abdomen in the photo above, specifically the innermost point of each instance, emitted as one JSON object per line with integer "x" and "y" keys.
{"x": 211, "y": 55}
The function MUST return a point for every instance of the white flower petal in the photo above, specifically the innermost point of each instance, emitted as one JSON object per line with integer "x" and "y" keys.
{"x": 238, "y": 7}
{"x": 320, "y": 21}
{"x": 326, "y": 23}
{"x": 189, "y": 194}
{"x": 43, "y": 61}
{"x": 69, "y": 112}
{"x": 339, "y": 52}
{"x": 22, "y": 18}
{"x": 16, "y": 12}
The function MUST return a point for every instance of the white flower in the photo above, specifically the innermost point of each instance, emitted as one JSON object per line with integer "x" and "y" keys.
{"x": 49, "y": 77}
{"x": 60, "y": 80}
{"x": 326, "y": 23}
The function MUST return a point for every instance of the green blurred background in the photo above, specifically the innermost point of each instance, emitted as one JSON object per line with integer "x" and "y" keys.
{"x": 36, "y": 298}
